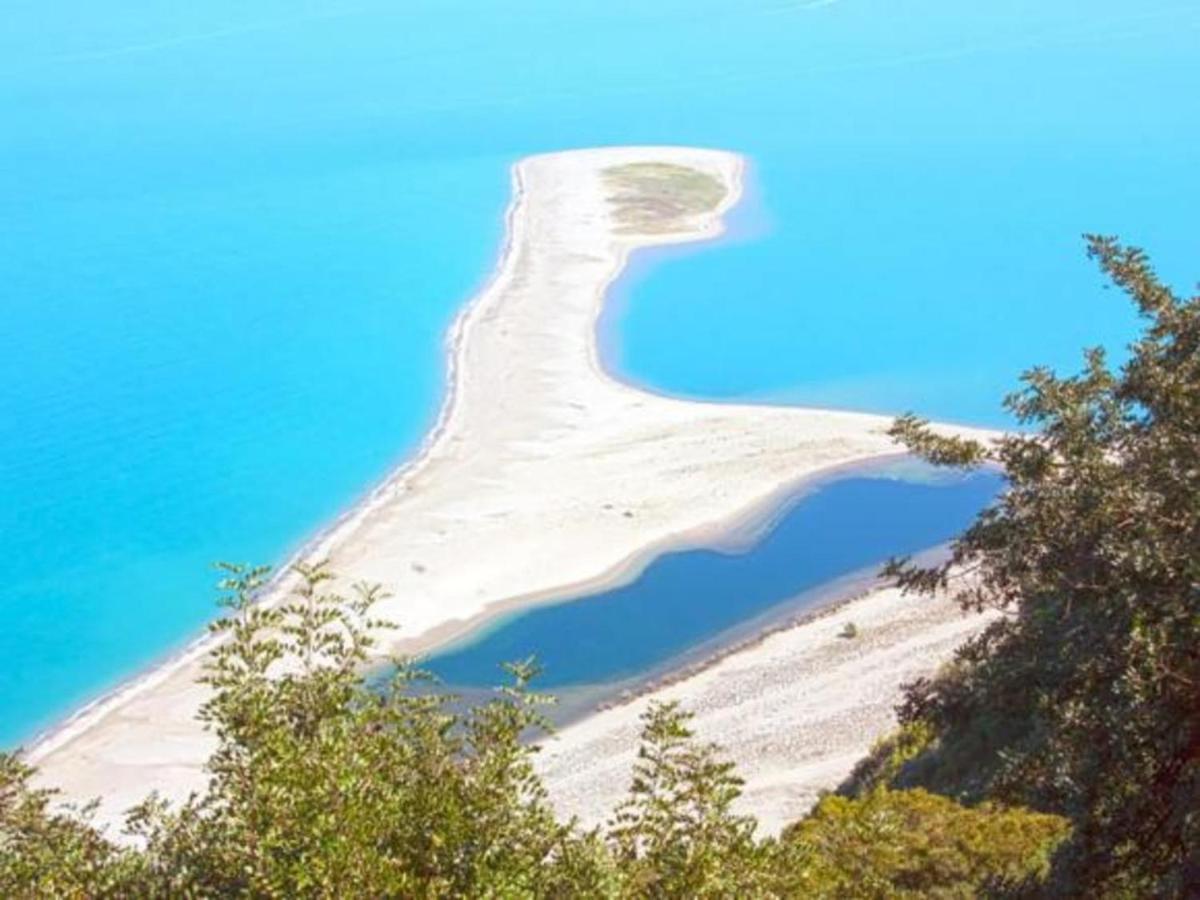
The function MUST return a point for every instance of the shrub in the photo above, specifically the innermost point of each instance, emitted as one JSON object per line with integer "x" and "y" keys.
{"x": 1082, "y": 699}
{"x": 915, "y": 844}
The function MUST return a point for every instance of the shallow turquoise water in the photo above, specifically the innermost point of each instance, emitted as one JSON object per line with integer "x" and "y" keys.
{"x": 692, "y": 597}
{"x": 232, "y": 236}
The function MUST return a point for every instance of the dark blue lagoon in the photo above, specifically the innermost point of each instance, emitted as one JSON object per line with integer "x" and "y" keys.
{"x": 693, "y": 598}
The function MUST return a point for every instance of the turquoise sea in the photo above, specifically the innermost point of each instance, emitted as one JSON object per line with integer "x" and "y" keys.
{"x": 232, "y": 236}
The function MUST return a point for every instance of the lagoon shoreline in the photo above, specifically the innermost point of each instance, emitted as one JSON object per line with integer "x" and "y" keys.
{"x": 544, "y": 473}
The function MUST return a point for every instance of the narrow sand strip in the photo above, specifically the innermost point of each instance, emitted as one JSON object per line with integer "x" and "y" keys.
{"x": 795, "y": 712}
{"x": 545, "y": 474}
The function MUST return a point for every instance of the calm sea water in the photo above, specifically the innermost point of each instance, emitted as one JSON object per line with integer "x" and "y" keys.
{"x": 692, "y": 597}
{"x": 232, "y": 236}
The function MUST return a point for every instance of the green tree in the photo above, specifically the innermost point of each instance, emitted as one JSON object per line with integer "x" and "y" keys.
{"x": 1084, "y": 697}
{"x": 677, "y": 835}
{"x": 323, "y": 787}
{"x": 915, "y": 844}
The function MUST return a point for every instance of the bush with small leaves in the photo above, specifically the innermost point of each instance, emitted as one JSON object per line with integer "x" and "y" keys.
{"x": 896, "y": 844}
{"x": 1082, "y": 698}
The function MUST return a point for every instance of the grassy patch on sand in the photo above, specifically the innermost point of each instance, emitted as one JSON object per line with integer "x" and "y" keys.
{"x": 658, "y": 197}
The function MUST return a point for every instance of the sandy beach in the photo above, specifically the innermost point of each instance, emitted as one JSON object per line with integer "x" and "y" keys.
{"x": 546, "y": 474}
{"x": 795, "y": 710}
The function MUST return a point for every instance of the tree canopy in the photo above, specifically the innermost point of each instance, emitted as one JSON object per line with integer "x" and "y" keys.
{"x": 1083, "y": 699}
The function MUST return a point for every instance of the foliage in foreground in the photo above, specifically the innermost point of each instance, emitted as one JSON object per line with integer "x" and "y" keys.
{"x": 916, "y": 844}
{"x": 1084, "y": 698}
{"x": 322, "y": 787}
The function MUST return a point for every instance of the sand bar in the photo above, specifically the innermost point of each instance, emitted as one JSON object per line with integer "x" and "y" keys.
{"x": 545, "y": 473}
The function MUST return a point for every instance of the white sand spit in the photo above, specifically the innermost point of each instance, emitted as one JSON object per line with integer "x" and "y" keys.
{"x": 544, "y": 474}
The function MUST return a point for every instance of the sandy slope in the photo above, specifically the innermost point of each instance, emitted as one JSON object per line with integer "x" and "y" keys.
{"x": 796, "y": 712}
{"x": 544, "y": 473}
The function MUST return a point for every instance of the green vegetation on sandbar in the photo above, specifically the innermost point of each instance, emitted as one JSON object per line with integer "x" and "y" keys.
{"x": 1058, "y": 756}
{"x": 652, "y": 198}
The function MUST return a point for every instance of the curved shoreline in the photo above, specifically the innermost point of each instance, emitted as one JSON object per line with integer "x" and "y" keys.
{"x": 747, "y": 525}
{"x": 49, "y": 739}
{"x": 534, "y": 448}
